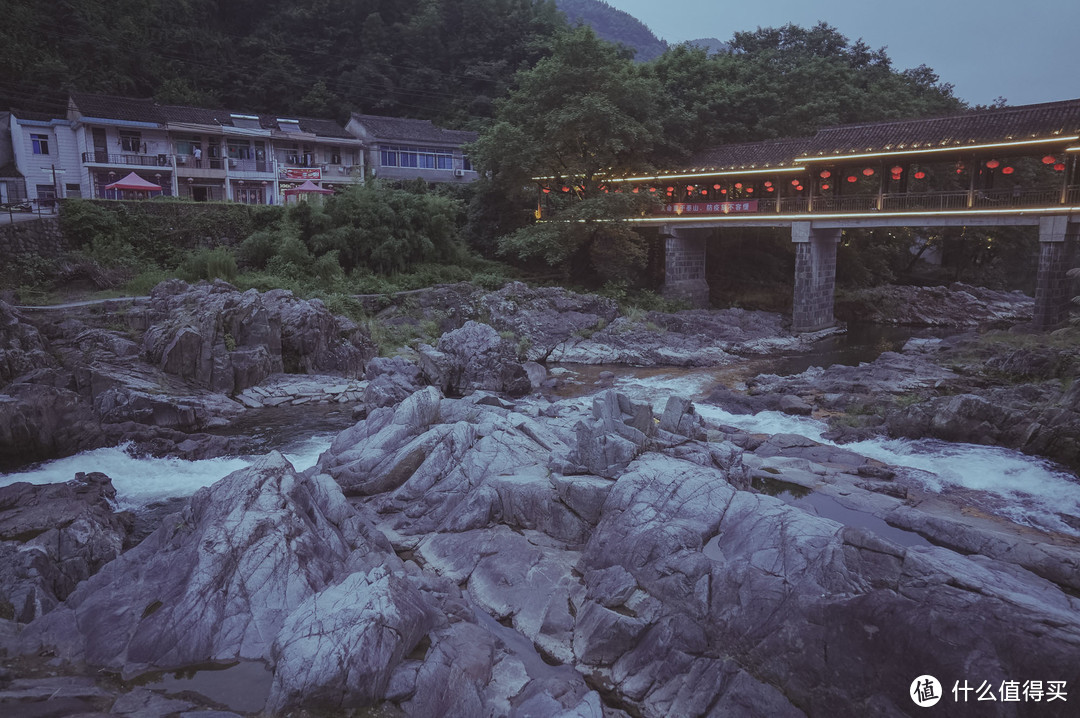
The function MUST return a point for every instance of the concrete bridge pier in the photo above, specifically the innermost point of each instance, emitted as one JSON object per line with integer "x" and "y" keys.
{"x": 684, "y": 267}
{"x": 815, "y": 277}
{"x": 1057, "y": 240}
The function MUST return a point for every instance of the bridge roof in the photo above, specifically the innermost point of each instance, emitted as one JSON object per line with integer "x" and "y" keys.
{"x": 1007, "y": 124}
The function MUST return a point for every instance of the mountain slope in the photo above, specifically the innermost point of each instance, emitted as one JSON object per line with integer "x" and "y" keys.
{"x": 614, "y": 25}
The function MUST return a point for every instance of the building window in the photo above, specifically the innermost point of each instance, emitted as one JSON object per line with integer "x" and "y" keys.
{"x": 239, "y": 150}
{"x": 41, "y": 144}
{"x": 389, "y": 158}
{"x": 445, "y": 162}
{"x": 465, "y": 163}
{"x": 335, "y": 155}
{"x": 130, "y": 141}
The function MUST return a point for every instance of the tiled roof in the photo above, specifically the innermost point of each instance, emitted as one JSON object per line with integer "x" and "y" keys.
{"x": 109, "y": 107}
{"x": 771, "y": 153}
{"x": 9, "y": 170}
{"x": 132, "y": 110}
{"x": 1025, "y": 122}
{"x": 400, "y": 128}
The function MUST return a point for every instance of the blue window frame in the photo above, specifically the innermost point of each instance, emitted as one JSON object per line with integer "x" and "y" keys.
{"x": 389, "y": 158}
{"x": 40, "y": 143}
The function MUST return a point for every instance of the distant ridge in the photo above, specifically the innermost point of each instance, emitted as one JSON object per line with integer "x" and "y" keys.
{"x": 614, "y": 25}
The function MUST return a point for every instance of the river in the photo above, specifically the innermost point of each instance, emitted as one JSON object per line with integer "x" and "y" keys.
{"x": 1022, "y": 488}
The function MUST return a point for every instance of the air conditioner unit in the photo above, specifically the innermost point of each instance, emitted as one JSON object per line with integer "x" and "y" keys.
{"x": 459, "y": 173}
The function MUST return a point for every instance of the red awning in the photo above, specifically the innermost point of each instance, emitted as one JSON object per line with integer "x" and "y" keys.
{"x": 308, "y": 186}
{"x": 134, "y": 182}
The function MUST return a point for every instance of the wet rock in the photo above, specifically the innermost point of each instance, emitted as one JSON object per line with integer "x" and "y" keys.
{"x": 794, "y": 405}
{"x": 680, "y": 418}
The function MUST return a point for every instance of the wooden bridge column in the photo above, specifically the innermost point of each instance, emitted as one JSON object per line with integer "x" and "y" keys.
{"x": 1057, "y": 238}
{"x": 684, "y": 267}
{"x": 815, "y": 277}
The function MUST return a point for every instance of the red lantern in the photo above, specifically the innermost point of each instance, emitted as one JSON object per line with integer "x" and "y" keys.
{"x": 1007, "y": 170}
{"x": 670, "y": 189}
{"x": 825, "y": 186}
{"x": 959, "y": 167}
{"x": 716, "y": 186}
{"x": 689, "y": 188}
{"x": 547, "y": 191}
{"x": 723, "y": 191}
{"x": 794, "y": 183}
{"x": 798, "y": 187}
{"x": 852, "y": 178}
{"x": 993, "y": 164}
{"x": 704, "y": 191}
{"x": 825, "y": 174}
{"x": 768, "y": 184}
{"x": 738, "y": 185}
{"x": 1049, "y": 160}
{"x": 652, "y": 190}
{"x": 565, "y": 189}
{"x": 750, "y": 190}
{"x": 635, "y": 190}
{"x": 1059, "y": 167}
{"x": 897, "y": 169}
{"x": 869, "y": 171}
{"x": 920, "y": 175}
{"x": 770, "y": 189}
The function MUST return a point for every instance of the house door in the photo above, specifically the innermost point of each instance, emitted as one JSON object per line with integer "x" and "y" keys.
{"x": 101, "y": 148}
{"x": 200, "y": 194}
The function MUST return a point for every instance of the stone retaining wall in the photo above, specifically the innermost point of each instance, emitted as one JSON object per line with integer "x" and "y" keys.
{"x": 41, "y": 237}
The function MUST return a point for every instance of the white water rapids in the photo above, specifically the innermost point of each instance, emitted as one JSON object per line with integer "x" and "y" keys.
{"x": 1022, "y": 488}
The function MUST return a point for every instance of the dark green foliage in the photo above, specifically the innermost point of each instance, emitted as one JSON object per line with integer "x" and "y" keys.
{"x": 615, "y": 26}
{"x": 437, "y": 59}
{"x": 210, "y": 264}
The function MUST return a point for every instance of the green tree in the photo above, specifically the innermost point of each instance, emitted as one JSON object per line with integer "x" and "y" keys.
{"x": 578, "y": 118}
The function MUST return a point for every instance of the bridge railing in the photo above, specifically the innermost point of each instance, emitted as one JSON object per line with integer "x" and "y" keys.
{"x": 899, "y": 202}
{"x": 852, "y": 203}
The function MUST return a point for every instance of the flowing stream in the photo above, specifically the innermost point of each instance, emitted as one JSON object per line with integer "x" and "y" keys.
{"x": 1023, "y": 488}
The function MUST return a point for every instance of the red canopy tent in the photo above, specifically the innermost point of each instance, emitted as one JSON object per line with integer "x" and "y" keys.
{"x": 132, "y": 183}
{"x": 308, "y": 187}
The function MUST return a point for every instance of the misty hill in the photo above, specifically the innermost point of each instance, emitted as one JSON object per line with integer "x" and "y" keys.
{"x": 711, "y": 45}
{"x": 614, "y": 25}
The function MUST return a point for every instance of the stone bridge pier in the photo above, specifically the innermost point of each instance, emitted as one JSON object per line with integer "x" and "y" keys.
{"x": 1057, "y": 252}
{"x": 815, "y": 277}
{"x": 684, "y": 266}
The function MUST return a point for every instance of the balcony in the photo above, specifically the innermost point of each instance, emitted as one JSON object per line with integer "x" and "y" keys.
{"x": 127, "y": 159}
{"x": 251, "y": 166}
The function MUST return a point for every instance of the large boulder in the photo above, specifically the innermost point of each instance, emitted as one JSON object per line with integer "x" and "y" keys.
{"x": 22, "y": 348}
{"x": 473, "y": 358}
{"x": 52, "y": 537}
{"x": 215, "y": 582}
{"x": 225, "y": 340}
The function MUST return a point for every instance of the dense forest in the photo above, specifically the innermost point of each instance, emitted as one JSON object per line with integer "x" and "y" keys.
{"x": 550, "y": 98}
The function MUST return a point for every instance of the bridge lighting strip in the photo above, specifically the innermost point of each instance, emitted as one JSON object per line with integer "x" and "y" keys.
{"x": 734, "y": 173}
{"x": 725, "y": 173}
{"x": 1073, "y": 149}
{"x": 847, "y": 215}
{"x": 954, "y": 148}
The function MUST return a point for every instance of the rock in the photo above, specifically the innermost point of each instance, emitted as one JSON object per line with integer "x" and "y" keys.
{"x": 338, "y": 649}
{"x": 52, "y": 537}
{"x": 471, "y": 358}
{"x": 958, "y": 305}
{"x": 390, "y": 381}
{"x": 537, "y": 373}
{"x": 680, "y": 418}
{"x": 794, "y": 405}
{"x": 227, "y": 341}
{"x": 143, "y": 703}
{"x": 22, "y": 348}
{"x": 214, "y": 583}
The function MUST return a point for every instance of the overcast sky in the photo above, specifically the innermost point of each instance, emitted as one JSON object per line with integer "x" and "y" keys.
{"x": 1023, "y": 50}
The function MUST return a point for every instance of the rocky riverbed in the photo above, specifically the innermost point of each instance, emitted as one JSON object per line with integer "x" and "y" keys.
{"x": 473, "y": 543}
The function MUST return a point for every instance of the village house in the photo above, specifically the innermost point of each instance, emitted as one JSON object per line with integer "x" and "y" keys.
{"x": 211, "y": 155}
{"x": 403, "y": 149}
